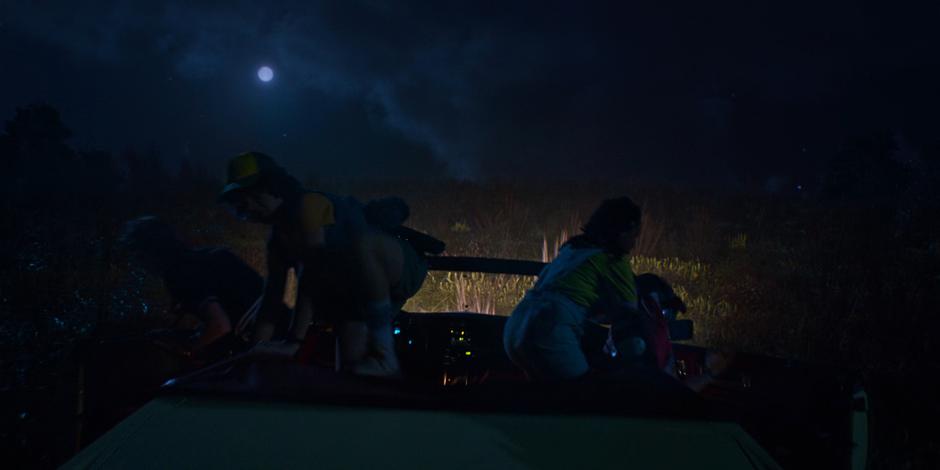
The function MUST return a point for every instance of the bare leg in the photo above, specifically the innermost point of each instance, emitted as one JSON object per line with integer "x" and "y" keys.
{"x": 303, "y": 317}
{"x": 352, "y": 343}
{"x": 379, "y": 264}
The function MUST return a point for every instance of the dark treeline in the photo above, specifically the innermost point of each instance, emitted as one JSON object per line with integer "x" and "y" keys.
{"x": 64, "y": 208}
{"x": 62, "y": 273}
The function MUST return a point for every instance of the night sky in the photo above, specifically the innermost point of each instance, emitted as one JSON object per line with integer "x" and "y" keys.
{"x": 542, "y": 89}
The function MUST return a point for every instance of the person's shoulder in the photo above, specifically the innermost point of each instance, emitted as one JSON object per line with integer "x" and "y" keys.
{"x": 596, "y": 255}
{"x": 572, "y": 255}
{"x": 316, "y": 210}
{"x": 211, "y": 252}
{"x": 621, "y": 265}
{"x": 605, "y": 262}
{"x": 315, "y": 198}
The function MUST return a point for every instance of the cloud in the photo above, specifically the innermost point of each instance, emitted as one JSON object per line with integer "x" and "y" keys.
{"x": 430, "y": 75}
{"x": 490, "y": 87}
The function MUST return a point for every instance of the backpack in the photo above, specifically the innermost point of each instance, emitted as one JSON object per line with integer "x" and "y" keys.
{"x": 389, "y": 214}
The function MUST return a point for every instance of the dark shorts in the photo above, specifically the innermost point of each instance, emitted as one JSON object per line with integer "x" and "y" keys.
{"x": 543, "y": 336}
{"x": 335, "y": 300}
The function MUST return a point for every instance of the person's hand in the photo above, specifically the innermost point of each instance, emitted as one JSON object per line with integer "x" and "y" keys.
{"x": 717, "y": 362}
{"x": 276, "y": 348}
{"x": 174, "y": 347}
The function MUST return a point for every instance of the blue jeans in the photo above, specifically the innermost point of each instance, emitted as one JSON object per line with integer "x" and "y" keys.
{"x": 543, "y": 336}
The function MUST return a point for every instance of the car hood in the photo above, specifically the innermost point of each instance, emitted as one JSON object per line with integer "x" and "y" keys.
{"x": 202, "y": 432}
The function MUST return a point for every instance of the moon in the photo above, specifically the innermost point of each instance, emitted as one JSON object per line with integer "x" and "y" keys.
{"x": 266, "y": 74}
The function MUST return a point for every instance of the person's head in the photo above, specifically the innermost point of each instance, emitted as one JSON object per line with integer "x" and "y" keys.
{"x": 256, "y": 187}
{"x": 252, "y": 204}
{"x": 614, "y": 225}
{"x": 152, "y": 243}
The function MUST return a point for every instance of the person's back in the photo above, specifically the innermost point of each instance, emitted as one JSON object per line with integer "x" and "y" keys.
{"x": 212, "y": 274}
{"x": 211, "y": 290}
{"x": 209, "y": 284}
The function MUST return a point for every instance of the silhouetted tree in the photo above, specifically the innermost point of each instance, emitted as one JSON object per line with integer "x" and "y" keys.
{"x": 99, "y": 174}
{"x": 930, "y": 155}
{"x": 38, "y": 131}
{"x": 192, "y": 176}
{"x": 186, "y": 172}
{"x": 146, "y": 179}
{"x": 919, "y": 211}
{"x": 35, "y": 152}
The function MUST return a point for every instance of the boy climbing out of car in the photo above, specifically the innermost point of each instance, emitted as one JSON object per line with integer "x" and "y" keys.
{"x": 209, "y": 287}
{"x": 351, "y": 269}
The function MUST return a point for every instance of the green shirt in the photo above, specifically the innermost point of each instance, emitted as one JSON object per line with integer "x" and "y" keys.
{"x": 595, "y": 276}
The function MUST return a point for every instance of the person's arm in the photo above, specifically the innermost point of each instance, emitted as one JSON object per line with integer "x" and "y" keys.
{"x": 616, "y": 290}
{"x": 217, "y": 324}
{"x": 316, "y": 212}
{"x": 303, "y": 318}
{"x": 303, "y": 312}
{"x": 273, "y": 294}
{"x": 622, "y": 285}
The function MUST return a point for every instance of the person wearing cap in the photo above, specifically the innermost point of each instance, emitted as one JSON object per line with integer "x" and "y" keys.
{"x": 208, "y": 286}
{"x": 590, "y": 280}
{"x": 349, "y": 272}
